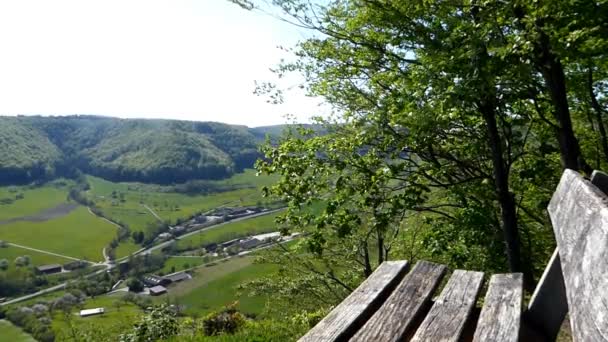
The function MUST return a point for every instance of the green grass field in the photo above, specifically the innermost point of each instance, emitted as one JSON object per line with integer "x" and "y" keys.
{"x": 229, "y": 231}
{"x": 115, "y": 319}
{"x": 216, "y": 286}
{"x": 181, "y": 263}
{"x": 11, "y": 333}
{"x": 125, "y": 248}
{"x": 34, "y": 200}
{"x": 126, "y": 205}
{"x": 10, "y": 253}
{"x": 80, "y": 234}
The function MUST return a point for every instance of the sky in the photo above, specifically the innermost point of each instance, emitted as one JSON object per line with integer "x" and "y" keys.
{"x": 175, "y": 59}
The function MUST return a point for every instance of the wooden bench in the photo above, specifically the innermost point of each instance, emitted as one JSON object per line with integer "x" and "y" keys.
{"x": 396, "y": 305}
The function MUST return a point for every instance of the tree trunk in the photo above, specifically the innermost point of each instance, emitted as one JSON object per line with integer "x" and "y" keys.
{"x": 553, "y": 73}
{"x": 487, "y": 104}
{"x": 380, "y": 248}
{"x": 367, "y": 271}
{"x": 598, "y": 114}
{"x": 501, "y": 183}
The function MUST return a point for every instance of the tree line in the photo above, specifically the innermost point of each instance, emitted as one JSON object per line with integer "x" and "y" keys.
{"x": 453, "y": 122}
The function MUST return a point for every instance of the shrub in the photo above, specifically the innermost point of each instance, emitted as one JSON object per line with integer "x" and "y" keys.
{"x": 159, "y": 324}
{"x": 228, "y": 320}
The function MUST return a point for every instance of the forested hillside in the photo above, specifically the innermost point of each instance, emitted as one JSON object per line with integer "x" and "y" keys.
{"x": 158, "y": 151}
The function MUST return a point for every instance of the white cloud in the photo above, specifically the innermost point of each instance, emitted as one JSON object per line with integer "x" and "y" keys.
{"x": 180, "y": 59}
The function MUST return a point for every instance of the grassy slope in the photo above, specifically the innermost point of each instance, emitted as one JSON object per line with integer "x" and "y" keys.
{"x": 34, "y": 201}
{"x": 258, "y": 225}
{"x": 11, "y": 253}
{"x": 180, "y": 262}
{"x": 216, "y": 286}
{"x": 112, "y": 322}
{"x": 126, "y": 248}
{"x": 9, "y": 332}
{"x": 79, "y": 234}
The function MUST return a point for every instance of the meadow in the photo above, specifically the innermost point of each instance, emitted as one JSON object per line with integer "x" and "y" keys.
{"x": 79, "y": 234}
{"x": 126, "y": 248}
{"x": 119, "y": 315}
{"x": 9, "y": 332}
{"x": 179, "y": 263}
{"x": 124, "y": 202}
{"x": 230, "y": 231}
{"x": 34, "y": 199}
{"x": 10, "y": 253}
{"x": 216, "y": 286}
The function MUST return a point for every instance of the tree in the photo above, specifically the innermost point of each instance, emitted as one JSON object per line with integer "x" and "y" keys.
{"x": 159, "y": 323}
{"x": 454, "y": 113}
{"x": 4, "y": 264}
{"x": 135, "y": 285}
{"x": 23, "y": 261}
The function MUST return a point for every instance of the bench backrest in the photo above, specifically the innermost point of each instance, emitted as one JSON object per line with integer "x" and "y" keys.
{"x": 579, "y": 214}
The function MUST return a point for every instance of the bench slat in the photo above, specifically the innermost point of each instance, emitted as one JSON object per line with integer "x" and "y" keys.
{"x": 342, "y": 322}
{"x": 449, "y": 314}
{"x": 579, "y": 214}
{"x": 393, "y": 320}
{"x": 500, "y": 316}
{"x": 548, "y": 306}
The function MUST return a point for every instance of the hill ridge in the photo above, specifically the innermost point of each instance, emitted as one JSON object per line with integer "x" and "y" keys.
{"x": 38, "y": 148}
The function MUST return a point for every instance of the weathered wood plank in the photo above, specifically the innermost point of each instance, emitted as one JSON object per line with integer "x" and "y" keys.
{"x": 548, "y": 306}
{"x": 450, "y": 312}
{"x": 600, "y": 179}
{"x": 579, "y": 214}
{"x": 394, "y": 319}
{"x": 344, "y": 320}
{"x": 500, "y": 316}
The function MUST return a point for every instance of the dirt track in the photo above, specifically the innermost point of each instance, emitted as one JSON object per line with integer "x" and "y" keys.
{"x": 45, "y": 215}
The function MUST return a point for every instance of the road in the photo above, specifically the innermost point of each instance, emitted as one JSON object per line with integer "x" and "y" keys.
{"x": 53, "y": 288}
{"x": 109, "y": 266}
{"x": 167, "y": 243}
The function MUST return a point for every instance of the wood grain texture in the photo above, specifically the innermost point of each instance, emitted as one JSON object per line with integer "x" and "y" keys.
{"x": 342, "y": 322}
{"x": 548, "y": 306}
{"x": 579, "y": 214}
{"x": 500, "y": 316}
{"x": 450, "y": 312}
{"x": 394, "y": 319}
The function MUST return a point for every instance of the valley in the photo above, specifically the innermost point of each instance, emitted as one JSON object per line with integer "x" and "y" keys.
{"x": 101, "y": 226}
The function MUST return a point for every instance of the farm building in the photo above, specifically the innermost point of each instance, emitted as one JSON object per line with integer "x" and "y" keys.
{"x": 163, "y": 236}
{"x": 154, "y": 280}
{"x": 73, "y": 265}
{"x": 48, "y": 269}
{"x": 249, "y": 243}
{"x": 177, "y": 277}
{"x": 92, "y": 312}
{"x": 157, "y": 290}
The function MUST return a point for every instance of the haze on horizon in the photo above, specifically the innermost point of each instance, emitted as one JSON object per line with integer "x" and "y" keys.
{"x": 172, "y": 59}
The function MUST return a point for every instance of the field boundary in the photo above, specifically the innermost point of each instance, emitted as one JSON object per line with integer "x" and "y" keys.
{"x": 153, "y": 213}
{"x": 45, "y": 252}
